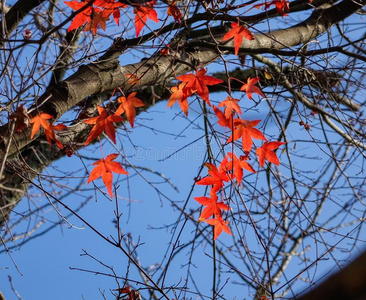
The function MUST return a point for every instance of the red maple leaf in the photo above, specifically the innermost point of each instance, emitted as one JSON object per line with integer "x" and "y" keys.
{"x": 104, "y": 169}
{"x": 21, "y": 118}
{"x": 103, "y": 122}
{"x": 231, "y": 106}
{"x": 128, "y": 105}
{"x": 179, "y": 94}
{"x": 40, "y": 120}
{"x": 51, "y": 136}
{"x": 223, "y": 121}
{"x": 198, "y": 83}
{"x": 142, "y": 13}
{"x": 250, "y": 87}
{"x": 212, "y": 207}
{"x": 282, "y": 6}
{"x": 238, "y": 33}
{"x": 111, "y": 6}
{"x": 219, "y": 226}
{"x": 237, "y": 165}
{"x": 98, "y": 18}
{"x": 216, "y": 177}
{"x": 245, "y": 129}
{"x": 266, "y": 152}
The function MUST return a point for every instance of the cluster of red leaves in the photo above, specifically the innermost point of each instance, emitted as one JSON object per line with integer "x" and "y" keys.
{"x": 105, "y": 123}
{"x": 192, "y": 83}
{"x": 232, "y": 167}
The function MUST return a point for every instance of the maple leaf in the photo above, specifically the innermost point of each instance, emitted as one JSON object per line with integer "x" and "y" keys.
{"x": 250, "y": 87}
{"x": 110, "y": 6}
{"x": 103, "y": 122}
{"x": 282, "y": 6}
{"x": 40, "y": 120}
{"x": 238, "y": 33}
{"x": 219, "y": 226}
{"x": 223, "y": 121}
{"x": 198, "y": 83}
{"x": 82, "y": 17}
{"x": 142, "y": 13}
{"x": 179, "y": 94}
{"x": 237, "y": 165}
{"x": 216, "y": 177}
{"x": 50, "y": 134}
{"x": 266, "y": 152}
{"x": 212, "y": 207}
{"x": 104, "y": 169}
{"x": 132, "y": 79}
{"x": 21, "y": 118}
{"x": 231, "y": 106}
{"x": 174, "y": 11}
{"x": 128, "y": 105}
{"x": 245, "y": 129}
{"x": 99, "y": 19}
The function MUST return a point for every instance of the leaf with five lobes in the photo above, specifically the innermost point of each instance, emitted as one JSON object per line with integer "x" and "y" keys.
{"x": 212, "y": 207}
{"x": 231, "y": 106}
{"x": 219, "y": 226}
{"x": 38, "y": 121}
{"x": 198, "y": 83}
{"x": 266, "y": 152}
{"x": 238, "y": 33}
{"x": 223, "y": 121}
{"x": 21, "y": 118}
{"x": 179, "y": 94}
{"x": 142, "y": 13}
{"x": 104, "y": 169}
{"x": 216, "y": 177}
{"x": 101, "y": 123}
{"x": 50, "y": 134}
{"x": 245, "y": 129}
{"x": 237, "y": 165}
{"x": 128, "y": 105}
{"x": 250, "y": 87}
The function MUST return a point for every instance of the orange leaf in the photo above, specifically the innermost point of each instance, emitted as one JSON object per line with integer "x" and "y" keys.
{"x": 223, "y": 121}
{"x": 104, "y": 169}
{"x": 50, "y": 134}
{"x": 219, "y": 226}
{"x": 266, "y": 152}
{"x": 38, "y": 121}
{"x": 238, "y": 33}
{"x": 212, "y": 207}
{"x": 101, "y": 123}
{"x": 128, "y": 105}
{"x": 231, "y": 106}
{"x": 250, "y": 87}
{"x": 132, "y": 79}
{"x": 216, "y": 177}
{"x": 237, "y": 165}
{"x": 179, "y": 94}
{"x": 198, "y": 83}
{"x": 142, "y": 13}
{"x": 174, "y": 11}
{"x": 21, "y": 118}
{"x": 245, "y": 129}
{"x": 282, "y": 6}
